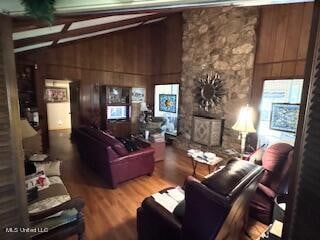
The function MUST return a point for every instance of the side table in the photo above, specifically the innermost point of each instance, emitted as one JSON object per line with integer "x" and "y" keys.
{"x": 159, "y": 149}
{"x": 198, "y": 159}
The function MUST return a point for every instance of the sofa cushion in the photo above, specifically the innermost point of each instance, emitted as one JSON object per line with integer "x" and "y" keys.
{"x": 116, "y": 144}
{"x": 50, "y": 168}
{"x": 50, "y": 197}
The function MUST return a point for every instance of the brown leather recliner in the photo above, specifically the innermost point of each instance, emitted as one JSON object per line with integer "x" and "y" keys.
{"x": 215, "y": 208}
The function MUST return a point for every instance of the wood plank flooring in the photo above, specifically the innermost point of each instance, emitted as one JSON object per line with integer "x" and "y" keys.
{"x": 111, "y": 214}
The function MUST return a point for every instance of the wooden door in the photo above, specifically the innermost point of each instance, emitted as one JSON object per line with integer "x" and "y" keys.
{"x": 75, "y": 105}
{"x": 13, "y": 209}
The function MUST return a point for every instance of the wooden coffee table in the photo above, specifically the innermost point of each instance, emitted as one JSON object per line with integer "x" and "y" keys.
{"x": 211, "y": 164}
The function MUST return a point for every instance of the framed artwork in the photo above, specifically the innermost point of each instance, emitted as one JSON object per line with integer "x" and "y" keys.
{"x": 168, "y": 103}
{"x": 56, "y": 94}
{"x": 138, "y": 95}
{"x": 284, "y": 117}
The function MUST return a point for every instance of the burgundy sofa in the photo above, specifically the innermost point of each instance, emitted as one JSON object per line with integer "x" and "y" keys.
{"x": 216, "y": 208}
{"x": 107, "y": 156}
{"x": 276, "y": 160}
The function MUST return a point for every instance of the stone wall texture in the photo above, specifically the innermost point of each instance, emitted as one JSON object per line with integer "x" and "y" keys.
{"x": 220, "y": 40}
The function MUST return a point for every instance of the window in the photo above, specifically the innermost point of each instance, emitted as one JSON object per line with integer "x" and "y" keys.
{"x": 284, "y": 92}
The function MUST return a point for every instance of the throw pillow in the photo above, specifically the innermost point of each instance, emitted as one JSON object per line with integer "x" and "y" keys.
{"x": 50, "y": 168}
{"x": 39, "y": 180}
{"x": 129, "y": 144}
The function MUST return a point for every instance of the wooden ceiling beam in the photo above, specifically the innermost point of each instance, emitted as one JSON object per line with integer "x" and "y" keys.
{"x": 64, "y": 30}
{"x": 24, "y": 23}
{"x": 77, "y": 32}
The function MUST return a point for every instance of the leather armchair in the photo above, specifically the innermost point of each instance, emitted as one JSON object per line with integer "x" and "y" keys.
{"x": 215, "y": 208}
{"x": 277, "y": 160}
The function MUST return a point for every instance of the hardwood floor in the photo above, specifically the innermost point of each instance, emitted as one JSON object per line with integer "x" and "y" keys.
{"x": 111, "y": 214}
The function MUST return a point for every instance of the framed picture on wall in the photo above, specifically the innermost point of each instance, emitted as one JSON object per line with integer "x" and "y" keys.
{"x": 138, "y": 95}
{"x": 56, "y": 94}
{"x": 284, "y": 117}
{"x": 168, "y": 103}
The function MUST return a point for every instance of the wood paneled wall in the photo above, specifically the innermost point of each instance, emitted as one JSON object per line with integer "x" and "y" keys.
{"x": 283, "y": 38}
{"x": 133, "y": 58}
{"x": 166, "y": 66}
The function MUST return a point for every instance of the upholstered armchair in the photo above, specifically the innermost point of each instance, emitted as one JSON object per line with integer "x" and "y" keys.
{"x": 277, "y": 160}
{"x": 215, "y": 208}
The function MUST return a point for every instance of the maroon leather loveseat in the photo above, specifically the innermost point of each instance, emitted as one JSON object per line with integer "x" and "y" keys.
{"x": 107, "y": 156}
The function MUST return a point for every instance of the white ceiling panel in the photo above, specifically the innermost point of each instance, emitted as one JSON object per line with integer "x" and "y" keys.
{"x": 39, "y": 45}
{"x": 14, "y": 7}
{"x": 155, "y": 20}
{"x": 104, "y": 20}
{"x": 98, "y": 33}
{"x": 37, "y": 32}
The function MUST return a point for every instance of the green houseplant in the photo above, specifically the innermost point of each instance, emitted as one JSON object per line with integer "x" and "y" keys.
{"x": 42, "y": 10}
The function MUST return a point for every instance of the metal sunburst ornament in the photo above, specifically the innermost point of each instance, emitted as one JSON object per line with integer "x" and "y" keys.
{"x": 211, "y": 91}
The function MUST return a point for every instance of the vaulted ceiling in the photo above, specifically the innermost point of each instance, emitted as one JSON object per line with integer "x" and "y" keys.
{"x": 29, "y": 34}
{"x": 14, "y": 7}
{"x": 79, "y": 19}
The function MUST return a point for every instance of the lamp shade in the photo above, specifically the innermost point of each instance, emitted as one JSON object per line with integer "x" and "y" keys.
{"x": 245, "y": 121}
{"x": 143, "y": 107}
{"x": 26, "y": 129}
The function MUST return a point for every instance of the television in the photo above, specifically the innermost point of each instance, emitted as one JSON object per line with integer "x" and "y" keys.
{"x": 117, "y": 112}
{"x": 168, "y": 103}
{"x": 284, "y": 117}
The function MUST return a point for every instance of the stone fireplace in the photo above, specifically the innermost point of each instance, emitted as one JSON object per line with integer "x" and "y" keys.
{"x": 222, "y": 40}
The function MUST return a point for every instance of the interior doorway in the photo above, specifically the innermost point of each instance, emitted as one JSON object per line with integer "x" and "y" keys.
{"x": 57, "y": 96}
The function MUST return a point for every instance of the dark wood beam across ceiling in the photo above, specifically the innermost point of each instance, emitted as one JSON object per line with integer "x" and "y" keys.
{"x": 26, "y": 23}
{"x": 55, "y": 37}
{"x": 64, "y": 30}
{"x": 22, "y": 23}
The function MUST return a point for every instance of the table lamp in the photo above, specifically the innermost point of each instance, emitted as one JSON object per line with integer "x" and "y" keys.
{"x": 143, "y": 107}
{"x": 27, "y": 130}
{"x": 244, "y": 125}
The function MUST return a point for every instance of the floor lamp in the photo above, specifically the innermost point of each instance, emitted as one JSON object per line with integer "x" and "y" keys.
{"x": 244, "y": 125}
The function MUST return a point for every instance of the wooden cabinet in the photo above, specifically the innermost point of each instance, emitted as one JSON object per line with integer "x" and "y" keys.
{"x": 115, "y": 110}
{"x": 119, "y": 128}
{"x": 159, "y": 150}
{"x": 207, "y": 131}
{"x": 158, "y": 147}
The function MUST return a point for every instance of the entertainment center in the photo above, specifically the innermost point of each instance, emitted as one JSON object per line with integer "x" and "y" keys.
{"x": 115, "y": 110}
